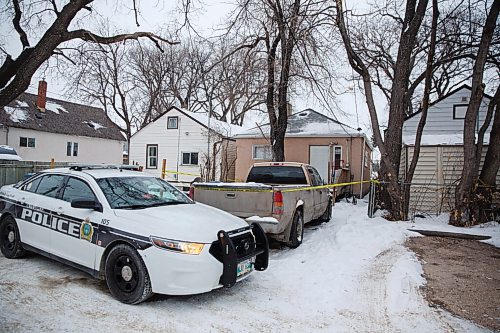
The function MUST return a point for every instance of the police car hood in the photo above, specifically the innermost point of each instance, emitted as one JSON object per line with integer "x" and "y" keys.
{"x": 185, "y": 222}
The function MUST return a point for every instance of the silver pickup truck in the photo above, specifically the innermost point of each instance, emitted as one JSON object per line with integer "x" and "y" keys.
{"x": 280, "y": 196}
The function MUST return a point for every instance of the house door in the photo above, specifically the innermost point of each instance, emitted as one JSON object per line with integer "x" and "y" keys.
{"x": 318, "y": 158}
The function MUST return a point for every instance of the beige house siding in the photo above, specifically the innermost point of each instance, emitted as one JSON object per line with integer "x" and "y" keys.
{"x": 297, "y": 150}
{"x": 53, "y": 145}
{"x": 438, "y": 171}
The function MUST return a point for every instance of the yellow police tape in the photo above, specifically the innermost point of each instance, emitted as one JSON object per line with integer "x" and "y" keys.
{"x": 235, "y": 189}
{"x": 306, "y": 188}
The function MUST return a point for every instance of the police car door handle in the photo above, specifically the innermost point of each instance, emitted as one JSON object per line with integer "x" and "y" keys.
{"x": 60, "y": 210}
{"x": 23, "y": 201}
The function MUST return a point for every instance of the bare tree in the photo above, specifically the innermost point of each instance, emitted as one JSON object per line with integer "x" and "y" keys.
{"x": 15, "y": 74}
{"x": 232, "y": 86}
{"x": 460, "y": 216}
{"x": 104, "y": 76}
{"x": 390, "y": 148}
{"x": 277, "y": 29}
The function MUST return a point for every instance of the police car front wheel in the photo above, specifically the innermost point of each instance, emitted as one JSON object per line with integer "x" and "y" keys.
{"x": 10, "y": 242}
{"x": 126, "y": 275}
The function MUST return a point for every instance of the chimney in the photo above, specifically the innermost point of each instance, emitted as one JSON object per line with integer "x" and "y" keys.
{"x": 42, "y": 95}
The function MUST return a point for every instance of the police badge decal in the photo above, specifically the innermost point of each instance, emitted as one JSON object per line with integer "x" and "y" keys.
{"x": 86, "y": 230}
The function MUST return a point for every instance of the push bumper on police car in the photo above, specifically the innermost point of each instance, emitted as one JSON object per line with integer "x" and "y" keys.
{"x": 231, "y": 258}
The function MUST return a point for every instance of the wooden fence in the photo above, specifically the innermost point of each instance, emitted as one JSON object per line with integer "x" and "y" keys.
{"x": 13, "y": 171}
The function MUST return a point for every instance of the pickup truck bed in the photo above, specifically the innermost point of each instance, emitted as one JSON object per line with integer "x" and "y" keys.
{"x": 282, "y": 209}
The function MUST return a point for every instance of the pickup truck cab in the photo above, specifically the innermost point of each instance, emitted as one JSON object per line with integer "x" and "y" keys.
{"x": 280, "y": 196}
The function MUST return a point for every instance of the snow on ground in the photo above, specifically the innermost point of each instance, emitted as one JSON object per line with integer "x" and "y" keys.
{"x": 350, "y": 275}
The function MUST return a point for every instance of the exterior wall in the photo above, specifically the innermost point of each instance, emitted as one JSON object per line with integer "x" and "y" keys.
{"x": 53, "y": 145}
{"x": 437, "y": 172}
{"x": 297, "y": 150}
{"x": 440, "y": 116}
{"x": 190, "y": 136}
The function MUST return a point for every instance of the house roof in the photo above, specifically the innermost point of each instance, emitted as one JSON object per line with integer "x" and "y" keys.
{"x": 306, "y": 123}
{"x": 464, "y": 86}
{"x": 223, "y": 128}
{"x": 60, "y": 117}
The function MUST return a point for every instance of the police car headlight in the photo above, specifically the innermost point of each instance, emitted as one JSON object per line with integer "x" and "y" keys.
{"x": 177, "y": 246}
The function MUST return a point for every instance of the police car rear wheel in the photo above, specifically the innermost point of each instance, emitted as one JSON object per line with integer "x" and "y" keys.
{"x": 126, "y": 275}
{"x": 10, "y": 242}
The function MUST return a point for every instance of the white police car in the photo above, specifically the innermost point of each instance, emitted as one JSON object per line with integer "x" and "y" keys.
{"x": 137, "y": 232}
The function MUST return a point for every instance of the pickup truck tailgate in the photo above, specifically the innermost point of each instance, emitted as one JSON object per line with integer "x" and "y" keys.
{"x": 243, "y": 201}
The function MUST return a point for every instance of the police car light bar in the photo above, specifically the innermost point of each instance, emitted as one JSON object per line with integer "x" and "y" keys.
{"x": 80, "y": 167}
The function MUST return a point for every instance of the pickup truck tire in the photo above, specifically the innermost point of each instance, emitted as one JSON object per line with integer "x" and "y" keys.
{"x": 10, "y": 242}
{"x": 297, "y": 231}
{"x": 327, "y": 215}
{"x": 126, "y": 275}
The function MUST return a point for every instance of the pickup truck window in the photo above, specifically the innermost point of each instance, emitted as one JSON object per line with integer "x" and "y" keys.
{"x": 315, "y": 177}
{"x": 288, "y": 175}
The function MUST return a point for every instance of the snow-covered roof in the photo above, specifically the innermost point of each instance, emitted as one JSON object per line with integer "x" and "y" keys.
{"x": 449, "y": 139}
{"x": 218, "y": 126}
{"x": 306, "y": 123}
{"x": 59, "y": 117}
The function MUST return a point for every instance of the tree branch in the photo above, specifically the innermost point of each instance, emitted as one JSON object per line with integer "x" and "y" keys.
{"x": 17, "y": 25}
{"x": 92, "y": 37}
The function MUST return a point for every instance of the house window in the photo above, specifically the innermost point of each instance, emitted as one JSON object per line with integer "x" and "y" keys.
{"x": 72, "y": 148}
{"x": 172, "y": 122}
{"x": 459, "y": 111}
{"x": 262, "y": 152}
{"x": 337, "y": 157}
{"x": 151, "y": 156}
{"x": 75, "y": 148}
{"x": 189, "y": 158}
{"x": 27, "y": 142}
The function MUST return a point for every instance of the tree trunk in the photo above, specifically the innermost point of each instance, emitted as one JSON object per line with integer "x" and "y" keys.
{"x": 492, "y": 159}
{"x": 461, "y": 216}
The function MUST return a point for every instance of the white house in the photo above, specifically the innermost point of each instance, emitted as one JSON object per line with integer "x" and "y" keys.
{"x": 441, "y": 156}
{"x": 182, "y": 139}
{"x": 41, "y": 128}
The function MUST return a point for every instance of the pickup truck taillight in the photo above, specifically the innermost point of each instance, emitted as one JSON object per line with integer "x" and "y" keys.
{"x": 191, "y": 192}
{"x": 278, "y": 203}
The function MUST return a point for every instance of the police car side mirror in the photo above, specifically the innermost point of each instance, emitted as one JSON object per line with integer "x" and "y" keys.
{"x": 86, "y": 204}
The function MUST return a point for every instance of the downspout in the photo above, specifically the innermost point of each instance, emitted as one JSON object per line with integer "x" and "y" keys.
{"x": 178, "y": 147}
{"x": 362, "y": 168}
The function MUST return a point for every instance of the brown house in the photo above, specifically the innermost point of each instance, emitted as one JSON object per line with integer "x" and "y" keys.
{"x": 339, "y": 152}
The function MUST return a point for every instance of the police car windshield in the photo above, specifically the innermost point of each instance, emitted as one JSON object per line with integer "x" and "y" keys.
{"x": 140, "y": 192}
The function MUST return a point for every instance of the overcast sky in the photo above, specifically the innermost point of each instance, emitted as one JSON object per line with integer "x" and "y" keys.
{"x": 160, "y": 15}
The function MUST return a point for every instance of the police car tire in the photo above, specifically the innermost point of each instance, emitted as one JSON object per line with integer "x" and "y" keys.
{"x": 140, "y": 284}
{"x": 10, "y": 248}
{"x": 296, "y": 236}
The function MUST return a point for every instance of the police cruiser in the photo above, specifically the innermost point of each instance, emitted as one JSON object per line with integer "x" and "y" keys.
{"x": 137, "y": 232}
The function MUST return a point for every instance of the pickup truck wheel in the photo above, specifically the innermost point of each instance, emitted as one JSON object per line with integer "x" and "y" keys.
{"x": 297, "y": 232}
{"x": 327, "y": 215}
{"x": 10, "y": 242}
{"x": 126, "y": 275}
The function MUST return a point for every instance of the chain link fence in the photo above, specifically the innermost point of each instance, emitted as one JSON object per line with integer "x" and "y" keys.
{"x": 435, "y": 201}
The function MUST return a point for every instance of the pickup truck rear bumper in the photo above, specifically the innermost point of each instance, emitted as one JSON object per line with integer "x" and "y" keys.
{"x": 270, "y": 225}
{"x": 240, "y": 246}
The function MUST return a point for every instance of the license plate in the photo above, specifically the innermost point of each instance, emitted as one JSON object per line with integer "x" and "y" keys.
{"x": 244, "y": 267}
